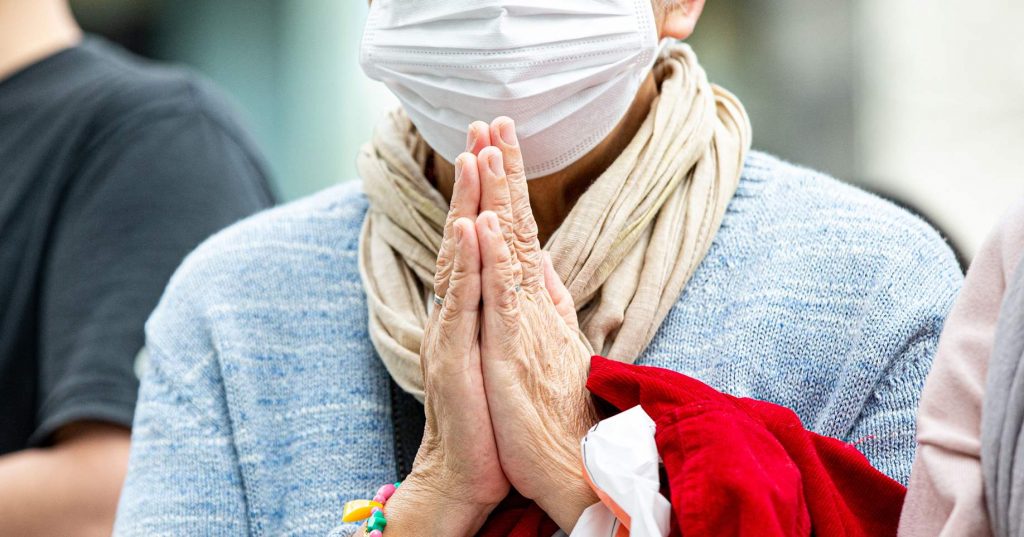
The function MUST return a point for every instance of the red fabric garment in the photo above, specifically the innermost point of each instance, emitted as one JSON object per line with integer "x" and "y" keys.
{"x": 518, "y": 517}
{"x": 737, "y": 467}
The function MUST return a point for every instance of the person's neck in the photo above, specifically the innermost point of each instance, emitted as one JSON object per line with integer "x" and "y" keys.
{"x": 553, "y": 196}
{"x": 31, "y": 30}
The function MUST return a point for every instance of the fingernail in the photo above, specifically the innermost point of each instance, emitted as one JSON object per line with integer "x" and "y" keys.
{"x": 458, "y": 234}
{"x": 458, "y": 169}
{"x": 508, "y": 132}
{"x": 470, "y": 138}
{"x": 496, "y": 165}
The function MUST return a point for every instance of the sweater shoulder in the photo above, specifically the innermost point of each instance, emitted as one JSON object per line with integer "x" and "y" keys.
{"x": 802, "y": 213}
{"x": 332, "y": 217}
{"x": 305, "y": 251}
{"x": 799, "y": 192}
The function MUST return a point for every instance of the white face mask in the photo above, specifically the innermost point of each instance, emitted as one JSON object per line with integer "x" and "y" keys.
{"x": 565, "y": 70}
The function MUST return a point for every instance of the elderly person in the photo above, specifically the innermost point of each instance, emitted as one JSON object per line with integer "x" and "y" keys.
{"x": 288, "y": 352}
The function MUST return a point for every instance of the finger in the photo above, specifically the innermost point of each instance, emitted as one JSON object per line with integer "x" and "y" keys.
{"x": 478, "y": 136}
{"x": 451, "y": 370}
{"x": 498, "y": 285}
{"x": 459, "y": 316}
{"x": 564, "y": 304}
{"x": 465, "y": 204}
{"x": 495, "y": 197}
{"x": 527, "y": 247}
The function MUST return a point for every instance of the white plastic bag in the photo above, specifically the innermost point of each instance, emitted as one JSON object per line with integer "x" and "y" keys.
{"x": 621, "y": 461}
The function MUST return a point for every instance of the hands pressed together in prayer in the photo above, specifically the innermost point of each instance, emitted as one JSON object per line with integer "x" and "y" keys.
{"x": 504, "y": 363}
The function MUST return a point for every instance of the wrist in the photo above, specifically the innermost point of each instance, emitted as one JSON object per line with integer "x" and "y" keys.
{"x": 423, "y": 506}
{"x": 566, "y": 503}
{"x": 567, "y": 493}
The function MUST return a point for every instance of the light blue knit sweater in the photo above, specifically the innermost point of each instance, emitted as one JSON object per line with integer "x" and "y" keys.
{"x": 265, "y": 408}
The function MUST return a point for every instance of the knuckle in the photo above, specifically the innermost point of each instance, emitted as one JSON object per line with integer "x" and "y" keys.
{"x": 434, "y": 365}
{"x": 526, "y": 236}
{"x": 442, "y": 275}
{"x": 444, "y": 266}
{"x": 528, "y": 249}
{"x": 503, "y": 257}
{"x": 505, "y": 216}
{"x": 440, "y": 288}
{"x": 506, "y": 301}
{"x": 510, "y": 245}
{"x": 458, "y": 281}
{"x": 517, "y": 271}
{"x": 444, "y": 260}
{"x": 442, "y": 280}
{"x": 449, "y": 316}
{"x": 460, "y": 299}
{"x": 454, "y": 210}
{"x": 458, "y": 269}
{"x": 514, "y": 167}
{"x": 533, "y": 279}
{"x": 527, "y": 224}
{"x": 503, "y": 204}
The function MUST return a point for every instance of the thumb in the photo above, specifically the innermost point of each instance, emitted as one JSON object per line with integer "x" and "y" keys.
{"x": 564, "y": 304}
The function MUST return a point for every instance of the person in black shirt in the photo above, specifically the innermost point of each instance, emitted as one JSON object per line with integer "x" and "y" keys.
{"x": 111, "y": 170}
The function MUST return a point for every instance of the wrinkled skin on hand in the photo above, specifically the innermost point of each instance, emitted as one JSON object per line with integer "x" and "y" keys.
{"x": 504, "y": 362}
{"x": 534, "y": 360}
{"x": 456, "y": 479}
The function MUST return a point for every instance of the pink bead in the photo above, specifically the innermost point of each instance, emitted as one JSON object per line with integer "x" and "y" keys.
{"x": 385, "y": 491}
{"x": 376, "y": 533}
{"x": 379, "y": 499}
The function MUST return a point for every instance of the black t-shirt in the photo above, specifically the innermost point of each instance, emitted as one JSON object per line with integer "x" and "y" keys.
{"x": 111, "y": 170}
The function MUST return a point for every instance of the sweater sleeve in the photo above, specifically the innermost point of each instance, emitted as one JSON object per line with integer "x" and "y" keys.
{"x": 184, "y": 476}
{"x": 344, "y": 530}
{"x": 904, "y": 318}
{"x": 884, "y": 432}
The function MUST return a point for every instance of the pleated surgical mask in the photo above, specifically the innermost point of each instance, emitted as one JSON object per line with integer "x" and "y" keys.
{"x": 566, "y": 71}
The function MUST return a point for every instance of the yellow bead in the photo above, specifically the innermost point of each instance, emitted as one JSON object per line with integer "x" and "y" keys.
{"x": 357, "y": 510}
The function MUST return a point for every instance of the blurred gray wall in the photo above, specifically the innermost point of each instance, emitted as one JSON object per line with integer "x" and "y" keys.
{"x": 293, "y": 66}
{"x": 793, "y": 63}
{"x": 917, "y": 100}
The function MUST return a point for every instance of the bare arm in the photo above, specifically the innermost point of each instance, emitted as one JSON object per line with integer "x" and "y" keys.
{"x": 71, "y": 488}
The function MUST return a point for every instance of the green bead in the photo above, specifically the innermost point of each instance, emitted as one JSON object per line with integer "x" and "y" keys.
{"x": 377, "y": 522}
{"x": 398, "y": 484}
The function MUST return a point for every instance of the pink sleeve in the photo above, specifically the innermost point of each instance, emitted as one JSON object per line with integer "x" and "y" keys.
{"x": 946, "y": 496}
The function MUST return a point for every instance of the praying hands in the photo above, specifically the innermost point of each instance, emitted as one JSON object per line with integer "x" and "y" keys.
{"x": 503, "y": 359}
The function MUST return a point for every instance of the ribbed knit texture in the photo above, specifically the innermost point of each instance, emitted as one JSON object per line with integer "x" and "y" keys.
{"x": 264, "y": 407}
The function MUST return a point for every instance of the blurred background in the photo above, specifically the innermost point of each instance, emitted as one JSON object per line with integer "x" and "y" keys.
{"x": 921, "y": 102}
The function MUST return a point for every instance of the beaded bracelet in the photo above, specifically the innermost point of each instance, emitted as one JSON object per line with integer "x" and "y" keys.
{"x": 371, "y": 510}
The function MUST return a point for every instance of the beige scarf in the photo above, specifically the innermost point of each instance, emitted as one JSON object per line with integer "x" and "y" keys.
{"x": 625, "y": 251}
